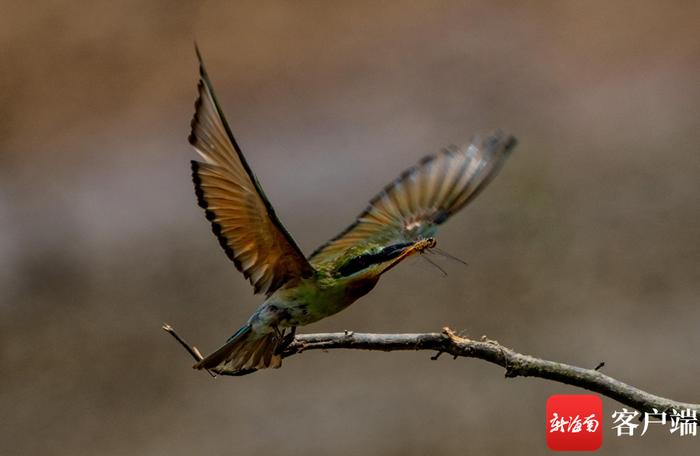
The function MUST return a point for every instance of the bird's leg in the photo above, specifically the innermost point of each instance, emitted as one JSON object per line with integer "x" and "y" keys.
{"x": 279, "y": 334}
{"x": 289, "y": 338}
{"x": 286, "y": 340}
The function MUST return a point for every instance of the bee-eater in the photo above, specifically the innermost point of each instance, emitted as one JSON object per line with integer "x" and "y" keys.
{"x": 400, "y": 221}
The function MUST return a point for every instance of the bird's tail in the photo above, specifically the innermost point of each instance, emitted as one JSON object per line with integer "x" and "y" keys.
{"x": 245, "y": 352}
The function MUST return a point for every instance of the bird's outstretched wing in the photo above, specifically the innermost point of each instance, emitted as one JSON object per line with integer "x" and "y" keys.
{"x": 423, "y": 197}
{"x": 241, "y": 216}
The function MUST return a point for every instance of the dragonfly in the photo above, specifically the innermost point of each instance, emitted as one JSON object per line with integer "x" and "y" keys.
{"x": 400, "y": 221}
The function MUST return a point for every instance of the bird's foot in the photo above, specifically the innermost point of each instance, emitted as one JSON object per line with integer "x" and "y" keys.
{"x": 285, "y": 339}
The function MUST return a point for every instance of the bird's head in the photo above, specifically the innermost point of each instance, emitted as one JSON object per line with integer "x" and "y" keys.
{"x": 373, "y": 262}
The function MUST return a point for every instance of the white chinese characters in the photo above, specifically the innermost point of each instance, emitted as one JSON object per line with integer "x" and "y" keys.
{"x": 574, "y": 424}
{"x": 684, "y": 422}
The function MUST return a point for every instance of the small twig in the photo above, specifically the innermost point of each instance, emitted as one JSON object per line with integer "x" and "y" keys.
{"x": 436, "y": 356}
{"x": 190, "y": 349}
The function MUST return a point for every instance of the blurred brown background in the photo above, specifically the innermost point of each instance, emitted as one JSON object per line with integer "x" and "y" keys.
{"x": 584, "y": 249}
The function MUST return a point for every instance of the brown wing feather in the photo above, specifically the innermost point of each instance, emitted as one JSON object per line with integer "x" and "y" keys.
{"x": 423, "y": 197}
{"x": 241, "y": 216}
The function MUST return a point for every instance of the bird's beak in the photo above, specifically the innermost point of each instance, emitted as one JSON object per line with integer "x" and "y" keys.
{"x": 417, "y": 247}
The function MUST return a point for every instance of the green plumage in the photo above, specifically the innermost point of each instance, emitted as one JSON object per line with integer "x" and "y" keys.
{"x": 398, "y": 222}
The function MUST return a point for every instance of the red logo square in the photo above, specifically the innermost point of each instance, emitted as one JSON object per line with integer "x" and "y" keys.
{"x": 574, "y": 422}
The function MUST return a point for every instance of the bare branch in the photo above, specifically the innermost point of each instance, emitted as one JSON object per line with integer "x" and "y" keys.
{"x": 516, "y": 364}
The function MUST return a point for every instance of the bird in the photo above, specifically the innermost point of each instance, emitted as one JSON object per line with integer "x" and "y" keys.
{"x": 399, "y": 222}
